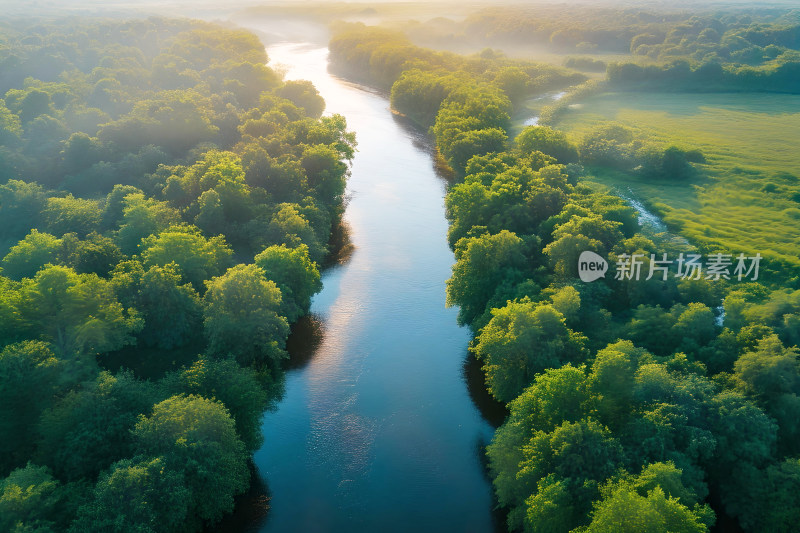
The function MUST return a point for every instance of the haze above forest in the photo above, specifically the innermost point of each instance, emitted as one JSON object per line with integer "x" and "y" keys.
{"x": 387, "y": 8}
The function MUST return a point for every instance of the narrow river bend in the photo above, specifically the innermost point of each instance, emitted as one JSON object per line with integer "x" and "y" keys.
{"x": 377, "y": 431}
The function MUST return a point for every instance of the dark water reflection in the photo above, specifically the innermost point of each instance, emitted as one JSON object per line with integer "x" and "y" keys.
{"x": 304, "y": 340}
{"x": 493, "y": 411}
{"x": 377, "y": 429}
{"x": 252, "y": 508}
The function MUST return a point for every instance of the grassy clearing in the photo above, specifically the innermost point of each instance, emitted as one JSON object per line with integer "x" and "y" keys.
{"x": 747, "y": 196}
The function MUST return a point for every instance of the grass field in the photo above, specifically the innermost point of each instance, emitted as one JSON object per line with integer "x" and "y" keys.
{"x": 747, "y": 196}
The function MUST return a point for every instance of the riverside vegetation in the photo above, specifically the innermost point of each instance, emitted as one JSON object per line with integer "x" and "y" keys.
{"x": 164, "y": 195}
{"x": 649, "y": 405}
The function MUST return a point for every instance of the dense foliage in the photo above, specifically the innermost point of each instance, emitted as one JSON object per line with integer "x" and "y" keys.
{"x": 141, "y": 161}
{"x": 701, "y": 48}
{"x": 421, "y": 80}
{"x": 635, "y": 405}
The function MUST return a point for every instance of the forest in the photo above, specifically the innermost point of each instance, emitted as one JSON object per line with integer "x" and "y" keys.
{"x": 665, "y": 404}
{"x": 697, "y": 48}
{"x": 166, "y": 203}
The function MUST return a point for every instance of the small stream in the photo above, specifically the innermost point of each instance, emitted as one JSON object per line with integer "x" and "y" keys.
{"x": 541, "y": 101}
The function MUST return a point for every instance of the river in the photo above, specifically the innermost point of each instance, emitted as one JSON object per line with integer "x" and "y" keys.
{"x": 377, "y": 430}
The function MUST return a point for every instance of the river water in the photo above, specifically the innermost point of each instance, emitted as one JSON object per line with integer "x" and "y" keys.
{"x": 377, "y": 430}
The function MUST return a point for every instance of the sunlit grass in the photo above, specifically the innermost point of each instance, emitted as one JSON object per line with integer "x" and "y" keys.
{"x": 747, "y": 196}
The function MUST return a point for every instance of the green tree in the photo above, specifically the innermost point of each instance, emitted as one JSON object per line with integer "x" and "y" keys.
{"x": 583, "y": 451}
{"x": 72, "y": 215}
{"x": 238, "y": 388}
{"x": 172, "y": 310}
{"x": 22, "y": 204}
{"x": 746, "y": 439}
{"x": 469, "y": 143}
{"x": 175, "y": 120}
{"x": 79, "y": 313}
{"x": 142, "y": 217}
{"x": 514, "y": 82}
{"x": 295, "y": 275}
{"x": 552, "y": 507}
{"x": 35, "y": 102}
{"x": 143, "y": 496}
{"x": 770, "y": 370}
{"x": 326, "y": 173}
{"x": 625, "y": 510}
{"x": 96, "y": 254}
{"x": 114, "y": 205}
{"x": 556, "y": 396}
{"x": 567, "y": 301}
{"x": 696, "y": 326}
{"x": 12, "y": 326}
{"x": 211, "y": 215}
{"x": 521, "y": 340}
{"x": 198, "y": 439}
{"x": 29, "y": 500}
{"x": 482, "y": 263}
{"x": 90, "y": 428}
{"x": 80, "y": 152}
{"x": 283, "y": 177}
{"x": 612, "y": 380}
{"x": 668, "y": 477}
{"x": 779, "y": 505}
{"x": 29, "y": 379}
{"x": 29, "y": 255}
{"x": 303, "y": 94}
{"x": 467, "y": 207}
{"x": 288, "y": 226}
{"x": 10, "y": 127}
{"x": 198, "y": 258}
{"x": 549, "y": 141}
{"x": 419, "y": 94}
{"x": 565, "y": 251}
{"x": 242, "y": 317}
{"x": 652, "y": 328}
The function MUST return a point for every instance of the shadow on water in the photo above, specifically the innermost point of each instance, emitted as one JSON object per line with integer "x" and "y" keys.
{"x": 305, "y": 335}
{"x": 252, "y": 508}
{"x": 495, "y": 413}
{"x": 499, "y": 514}
{"x": 304, "y": 340}
{"x": 340, "y": 245}
{"x": 423, "y": 141}
{"x": 492, "y": 411}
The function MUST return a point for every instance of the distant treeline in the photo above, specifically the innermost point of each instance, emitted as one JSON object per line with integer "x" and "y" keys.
{"x": 680, "y": 75}
{"x": 740, "y": 34}
{"x": 731, "y": 49}
{"x": 635, "y": 404}
{"x": 164, "y": 194}
{"x": 421, "y": 79}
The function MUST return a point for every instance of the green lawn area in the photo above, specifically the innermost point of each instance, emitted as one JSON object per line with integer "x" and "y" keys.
{"x": 747, "y": 197}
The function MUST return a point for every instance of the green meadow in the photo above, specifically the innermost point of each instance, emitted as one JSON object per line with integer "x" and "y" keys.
{"x": 746, "y": 197}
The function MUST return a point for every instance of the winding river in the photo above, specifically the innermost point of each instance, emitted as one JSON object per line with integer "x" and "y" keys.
{"x": 378, "y": 430}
